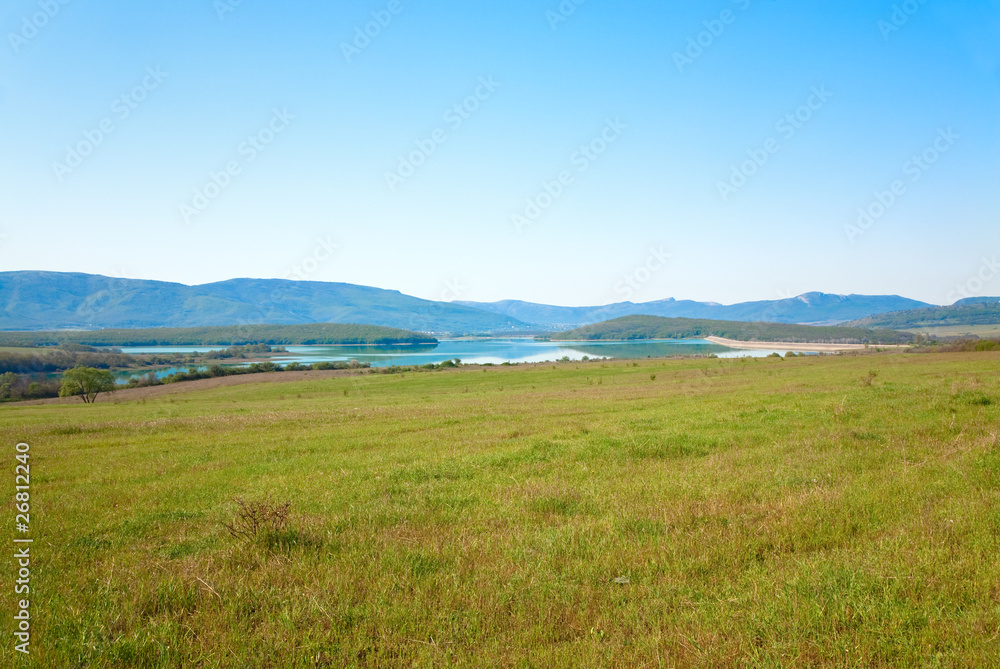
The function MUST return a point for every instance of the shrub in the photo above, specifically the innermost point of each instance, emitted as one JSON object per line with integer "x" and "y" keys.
{"x": 869, "y": 379}
{"x": 254, "y": 518}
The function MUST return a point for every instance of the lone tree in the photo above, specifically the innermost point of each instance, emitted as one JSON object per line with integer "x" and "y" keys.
{"x": 7, "y": 381}
{"x": 86, "y": 382}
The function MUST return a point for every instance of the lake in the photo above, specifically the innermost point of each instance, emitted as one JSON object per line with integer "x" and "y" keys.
{"x": 482, "y": 351}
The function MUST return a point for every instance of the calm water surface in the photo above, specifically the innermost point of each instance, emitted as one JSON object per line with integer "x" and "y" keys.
{"x": 481, "y": 351}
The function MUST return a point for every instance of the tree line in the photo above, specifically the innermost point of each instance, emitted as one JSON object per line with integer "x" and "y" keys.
{"x": 25, "y": 376}
{"x": 629, "y": 328}
{"x": 235, "y": 335}
{"x": 987, "y": 313}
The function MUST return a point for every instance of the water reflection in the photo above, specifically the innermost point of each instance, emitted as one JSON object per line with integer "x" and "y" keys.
{"x": 483, "y": 351}
{"x": 498, "y": 351}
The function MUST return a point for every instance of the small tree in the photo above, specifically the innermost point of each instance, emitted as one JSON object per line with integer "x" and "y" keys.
{"x": 86, "y": 382}
{"x": 7, "y": 381}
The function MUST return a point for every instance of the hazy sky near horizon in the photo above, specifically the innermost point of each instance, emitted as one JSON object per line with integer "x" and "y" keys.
{"x": 571, "y": 153}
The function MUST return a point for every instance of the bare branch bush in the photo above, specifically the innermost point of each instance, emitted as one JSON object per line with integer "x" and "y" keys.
{"x": 256, "y": 517}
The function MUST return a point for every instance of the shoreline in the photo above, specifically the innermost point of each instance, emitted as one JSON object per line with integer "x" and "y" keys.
{"x": 811, "y": 347}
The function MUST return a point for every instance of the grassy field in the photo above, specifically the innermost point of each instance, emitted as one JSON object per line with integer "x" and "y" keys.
{"x": 27, "y": 350}
{"x": 836, "y": 511}
{"x": 984, "y": 331}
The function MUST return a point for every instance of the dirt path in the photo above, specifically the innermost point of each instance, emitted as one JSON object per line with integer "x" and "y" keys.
{"x": 785, "y": 346}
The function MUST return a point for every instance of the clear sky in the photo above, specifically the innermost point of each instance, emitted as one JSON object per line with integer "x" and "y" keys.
{"x": 200, "y": 140}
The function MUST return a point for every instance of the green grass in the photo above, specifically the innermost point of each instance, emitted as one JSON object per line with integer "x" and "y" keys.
{"x": 29, "y": 350}
{"x": 983, "y": 331}
{"x": 726, "y": 513}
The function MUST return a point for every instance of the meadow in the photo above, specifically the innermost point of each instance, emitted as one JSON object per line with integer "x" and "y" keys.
{"x": 811, "y": 511}
{"x": 982, "y": 331}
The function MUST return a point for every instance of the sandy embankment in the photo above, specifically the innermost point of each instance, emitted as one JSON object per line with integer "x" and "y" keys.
{"x": 786, "y": 346}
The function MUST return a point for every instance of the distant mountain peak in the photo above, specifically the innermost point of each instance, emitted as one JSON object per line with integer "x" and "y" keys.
{"x": 59, "y": 300}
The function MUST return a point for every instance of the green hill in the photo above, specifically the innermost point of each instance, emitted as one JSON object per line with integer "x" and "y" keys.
{"x": 232, "y": 335}
{"x": 985, "y": 313}
{"x": 60, "y": 301}
{"x": 655, "y": 327}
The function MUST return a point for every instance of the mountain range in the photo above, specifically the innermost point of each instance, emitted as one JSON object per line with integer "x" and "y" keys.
{"x": 806, "y": 309}
{"x": 55, "y": 300}
{"x": 38, "y": 300}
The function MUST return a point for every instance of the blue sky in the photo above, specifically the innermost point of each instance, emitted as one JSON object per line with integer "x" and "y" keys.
{"x": 714, "y": 150}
